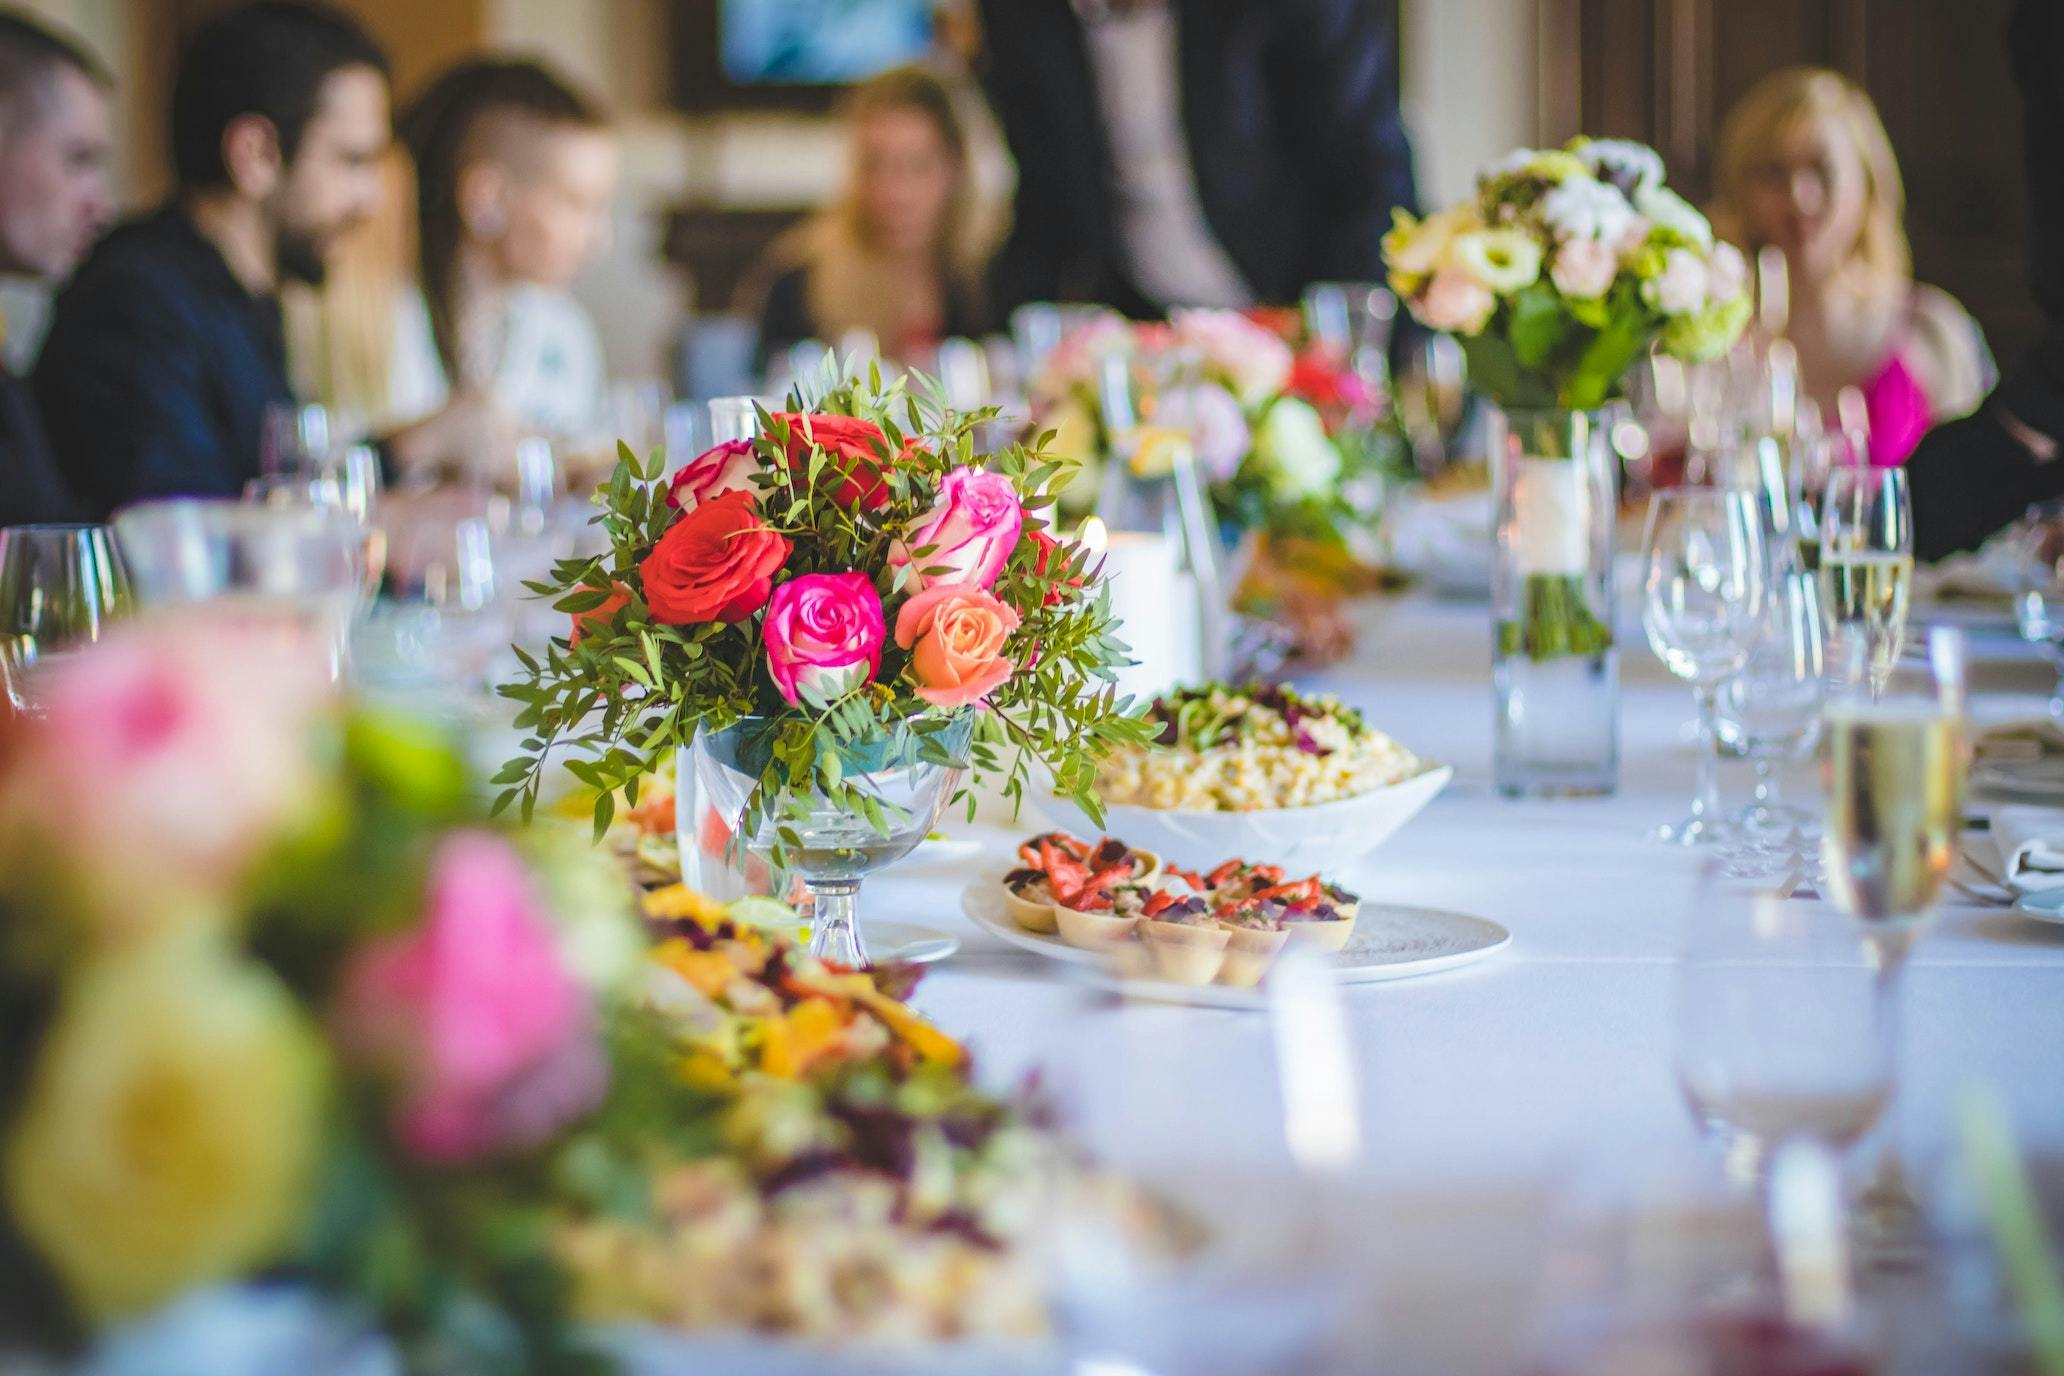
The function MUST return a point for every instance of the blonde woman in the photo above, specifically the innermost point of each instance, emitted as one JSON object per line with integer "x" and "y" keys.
{"x": 898, "y": 254}
{"x": 1806, "y": 167}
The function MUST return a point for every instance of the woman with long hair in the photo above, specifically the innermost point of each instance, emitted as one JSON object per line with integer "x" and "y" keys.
{"x": 899, "y": 253}
{"x": 1806, "y": 167}
{"x": 515, "y": 173}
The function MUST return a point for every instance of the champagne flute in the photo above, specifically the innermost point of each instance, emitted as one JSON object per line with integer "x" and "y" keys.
{"x": 1866, "y": 568}
{"x": 59, "y": 587}
{"x": 1702, "y": 604}
{"x": 1896, "y": 760}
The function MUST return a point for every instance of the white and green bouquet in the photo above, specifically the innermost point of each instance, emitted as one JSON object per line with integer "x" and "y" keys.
{"x": 1563, "y": 269}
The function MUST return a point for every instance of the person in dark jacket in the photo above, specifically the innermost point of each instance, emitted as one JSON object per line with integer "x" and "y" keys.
{"x": 1195, "y": 152}
{"x": 167, "y": 348}
{"x": 54, "y": 200}
{"x": 1975, "y": 476}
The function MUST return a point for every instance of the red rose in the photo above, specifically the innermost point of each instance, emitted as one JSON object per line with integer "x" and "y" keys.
{"x": 855, "y": 446}
{"x": 714, "y": 564}
{"x": 598, "y": 617}
{"x": 1326, "y": 384}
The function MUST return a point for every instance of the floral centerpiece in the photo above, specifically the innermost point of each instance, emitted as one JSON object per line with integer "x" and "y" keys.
{"x": 1565, "y": 268}
{"x": 824, "y": 613}
{"x": 247, "y": 1029}
{"x": 1277, "y": 426}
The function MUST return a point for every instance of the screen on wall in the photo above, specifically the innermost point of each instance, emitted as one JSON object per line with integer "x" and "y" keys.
{"x": 813, "y": 42}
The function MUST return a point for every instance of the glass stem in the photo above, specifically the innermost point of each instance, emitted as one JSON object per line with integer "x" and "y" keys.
{"x": 1705, "y": 788}
{"x": 1888, "y": 1214}
{"x": 835, "y": 925}
{"x": 1766, "y": 784}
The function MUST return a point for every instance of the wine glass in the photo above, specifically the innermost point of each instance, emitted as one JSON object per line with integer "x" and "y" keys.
{"x": 1783, "y": 1031}
{"x": 298, "y": 568}
{"x": 296, "y": 437}
{"x": 1769, "y": 713}
{"x": 1866, "y": 568}
{"x": 343, "y": 490}
{"x": 1702, "y": 603}
{"x": 59, "y": 587}
{"x": 1896, "y": 759}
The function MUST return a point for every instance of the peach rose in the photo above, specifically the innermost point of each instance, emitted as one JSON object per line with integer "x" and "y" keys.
{"x": 955, "y": 635}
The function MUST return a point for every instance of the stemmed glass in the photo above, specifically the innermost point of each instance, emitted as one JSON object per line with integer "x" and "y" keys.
{"x": 1770, "y": 711}
{"x": 1702, "y": 605}
{"x": 59, "y": 587}
{"x": 299, "y": 568}
{"x": 900, "y": 783}
{"x": 1896, "y": 759}
{"x": 1866, "y": 568}
{"x": 1783, "y": 1030}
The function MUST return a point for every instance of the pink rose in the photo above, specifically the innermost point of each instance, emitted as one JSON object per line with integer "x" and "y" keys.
{"x": 169, "y": 756}
{"x": 729, "y": 467}
{"x": 970, "y": 532}
{"x": 1584, "y": 268}
{"x": 474, "y": 1013}
{"x": 1251, "y": 358}
{"x": 955, "y": 636}
{"x": 824, "y": 636}
{"x": 1216, "y": 425}
{"x": 1456, "y": 302}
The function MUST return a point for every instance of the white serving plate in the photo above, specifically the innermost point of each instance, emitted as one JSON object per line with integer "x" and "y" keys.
{"x": 1389, "y": 942}
{"x": 1323, "y": 838}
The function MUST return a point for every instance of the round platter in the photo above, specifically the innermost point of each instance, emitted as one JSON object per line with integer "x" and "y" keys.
{"x": 1390, "y": 942}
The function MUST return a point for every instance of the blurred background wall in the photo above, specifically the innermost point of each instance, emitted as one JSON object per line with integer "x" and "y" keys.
{"x": 715, "y": 168}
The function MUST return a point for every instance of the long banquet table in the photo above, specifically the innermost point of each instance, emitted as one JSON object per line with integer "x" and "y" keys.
{"x": 1547, "y": 1062}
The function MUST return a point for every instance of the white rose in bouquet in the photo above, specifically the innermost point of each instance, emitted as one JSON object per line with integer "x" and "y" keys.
{"x": 1584, "y": 268}
{"x": 1632, "y": 167}
{"x": 1680, "y": 288}
{"x": 1583, "y": 208}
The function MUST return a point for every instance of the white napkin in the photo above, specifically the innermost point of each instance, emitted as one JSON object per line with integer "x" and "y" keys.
{"x": 2031, "y": 846}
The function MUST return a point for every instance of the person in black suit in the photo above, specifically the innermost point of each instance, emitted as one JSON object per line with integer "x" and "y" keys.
{"x": 1195, "y": 152}
{"x": 54, "y": 201}
{"x": 1972, "y": 477}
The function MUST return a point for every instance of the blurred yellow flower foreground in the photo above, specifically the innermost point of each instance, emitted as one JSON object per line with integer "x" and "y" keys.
{"x": 170, "y": 1130}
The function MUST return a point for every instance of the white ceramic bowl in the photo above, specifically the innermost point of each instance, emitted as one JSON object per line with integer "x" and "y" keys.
{"x": 1321, "y": 838}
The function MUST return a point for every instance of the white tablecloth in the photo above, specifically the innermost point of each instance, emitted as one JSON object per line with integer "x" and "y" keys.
{"x": 1542, "y": 1064}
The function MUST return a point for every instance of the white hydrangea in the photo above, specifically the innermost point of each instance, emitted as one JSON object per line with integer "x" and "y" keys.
{"x": 1680, "y": 288}
{"x": 1586, "y": 208}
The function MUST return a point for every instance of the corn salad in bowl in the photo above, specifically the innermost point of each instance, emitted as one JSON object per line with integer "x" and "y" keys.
{"x": 1269, "y": 771}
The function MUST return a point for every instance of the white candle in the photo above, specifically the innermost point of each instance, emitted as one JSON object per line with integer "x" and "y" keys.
{"x": 1156, "y": 607}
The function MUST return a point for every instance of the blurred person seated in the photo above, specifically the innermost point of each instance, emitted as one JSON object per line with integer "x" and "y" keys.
{"x": 1973, "y": 477}
{"x": 515, "y": 175}
{"x": 54, "y": 201}
{"x": 1192, "y": 153}
{"x": 167, "y": 348}
{"x": 1805, "y": 166}
{"x": 360, "y": 343}
{"x": 896, "y": 255}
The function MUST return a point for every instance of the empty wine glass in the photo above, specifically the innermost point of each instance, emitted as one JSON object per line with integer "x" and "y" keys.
{"x": 1783, "y": 1029}
{"x": 60, "y": 586}
{"x": 296, "y": 437}
{"x": 1770, "y": 712}
{"x": 1702, "y": 602}
{"x": 1866, "y": 568}
{"x": 1896, "y": 762}
{"x": 297, "y": 569}
{"x": 343, "y": 491}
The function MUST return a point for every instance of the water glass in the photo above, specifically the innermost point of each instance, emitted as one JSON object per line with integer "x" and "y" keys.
{"x": 1769, "y": 713}
{"x": 60, "y": 585}
{"x": 297, "y": 438}
{"x": 1702, "y": 605}
{"x": 1783, "y": 1028}
{"x": 1866, "y": 568}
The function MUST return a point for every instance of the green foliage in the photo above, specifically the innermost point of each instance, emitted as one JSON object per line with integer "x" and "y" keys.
{"x": 636, "y": 690}
{"x": 1555, "y": 622}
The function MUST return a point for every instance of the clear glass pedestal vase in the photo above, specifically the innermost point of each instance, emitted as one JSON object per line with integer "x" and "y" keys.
{"x": 895, "y": 787}
{"x": 1555, "y": 668}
